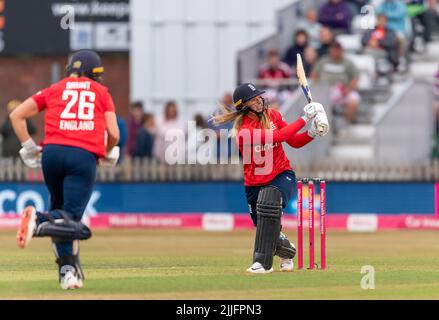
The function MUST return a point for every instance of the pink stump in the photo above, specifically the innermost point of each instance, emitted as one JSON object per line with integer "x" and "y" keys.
{"x": 311, "y": 224}
{"x": 299, "y": 225}
{"x": 323, "y": 224}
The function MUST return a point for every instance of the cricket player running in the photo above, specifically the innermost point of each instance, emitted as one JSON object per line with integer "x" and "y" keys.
{"x": 80, "y": 131}
{"x": 259, "y": 132}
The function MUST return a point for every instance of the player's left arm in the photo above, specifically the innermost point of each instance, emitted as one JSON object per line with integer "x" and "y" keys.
{"x": 24, "y": 111}
{"x": 300, "y": 139}
{"x": 30, "y": 151}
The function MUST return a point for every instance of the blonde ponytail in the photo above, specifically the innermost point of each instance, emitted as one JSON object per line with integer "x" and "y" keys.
{"x": 229, "y": 114}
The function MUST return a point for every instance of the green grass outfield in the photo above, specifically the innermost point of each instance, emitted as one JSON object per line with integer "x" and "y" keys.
{"x": 171, "y": 264}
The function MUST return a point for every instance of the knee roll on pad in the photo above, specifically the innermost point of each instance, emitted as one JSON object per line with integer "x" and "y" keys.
{"x": 269, "y": 212}
{"x": 284, "y": 248}
{"x": 64, "y": 229}
{"x": 269, "y": 203}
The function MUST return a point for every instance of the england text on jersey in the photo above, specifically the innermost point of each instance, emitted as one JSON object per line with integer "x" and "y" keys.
{"x": 74, "y": 125}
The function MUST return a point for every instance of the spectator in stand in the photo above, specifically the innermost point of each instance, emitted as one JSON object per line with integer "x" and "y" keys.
{"x": 274, "y": 70}
{"x": 312, "y": 26}
{"x": 309, "y": 59}
{"x": 275, "y": 75}
{"x": 396, "y": 13}
{"x": 200, "y": 123}
{"x": 198, "y": 149}
{"x": 301, "y": 41}
{"x": 326, "y": 38}
{"x": 423, "y": 12}
{"x": 223, "y": 131}
{"x": 123, "y": 137}
{"x": 11, "y": 145}
{"x": 169, "y": 122}
{"x": 381, "y": 41}
{"x": 134, "y": 125}
{"x": 145, "y": 138}
{"x": 337, "y": 15}
{"x": 342, "y": 75}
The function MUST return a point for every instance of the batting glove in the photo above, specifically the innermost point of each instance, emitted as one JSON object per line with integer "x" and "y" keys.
{"x": 322, "y": 124}
{"x": 30, "y": 153}
{"x": 319, "y": 126}
{"x": 311, "y": 110}
{"x": 111, "y": 158}
{"x": 312, "y": 131}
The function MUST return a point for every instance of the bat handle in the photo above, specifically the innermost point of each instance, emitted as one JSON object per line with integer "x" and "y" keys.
{"x": 307, "y": 93}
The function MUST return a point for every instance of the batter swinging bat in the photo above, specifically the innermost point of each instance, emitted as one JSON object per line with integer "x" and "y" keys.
{"x": 302, "y": 79}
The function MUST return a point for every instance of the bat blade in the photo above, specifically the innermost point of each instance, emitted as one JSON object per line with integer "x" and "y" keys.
{"x": 302, "y": 79}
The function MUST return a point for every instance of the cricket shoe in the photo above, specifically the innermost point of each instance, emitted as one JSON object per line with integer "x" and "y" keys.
{"x": 69, "y": 279}
{"x": 27, "y": 227}
{"x": 257, "y": 268}
{"x": 286, "y": 265}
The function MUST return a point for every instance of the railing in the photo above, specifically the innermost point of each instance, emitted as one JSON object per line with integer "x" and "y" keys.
{"x": 148, "y": 170}
{"x": 13, "y": 169}
{"x": 132, "y": 170}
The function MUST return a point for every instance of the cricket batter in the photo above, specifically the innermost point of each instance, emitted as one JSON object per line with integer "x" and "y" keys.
{"x": 259, "y": 131}
{"x": 80, "y": 131}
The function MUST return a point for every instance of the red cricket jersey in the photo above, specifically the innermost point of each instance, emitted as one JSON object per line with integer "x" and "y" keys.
{"x": 75, "y": 109}
{"x": 263, "y": 155}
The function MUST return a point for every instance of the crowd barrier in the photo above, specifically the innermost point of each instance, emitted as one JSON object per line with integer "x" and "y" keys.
{"x": 151, "y": 170}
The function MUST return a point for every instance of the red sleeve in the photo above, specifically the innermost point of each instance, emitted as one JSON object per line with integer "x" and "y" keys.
{"x": 262, "y": 136}
{"x": 40, "y": 98}
{"x": 109, "y": 105}
{"x": 299, "y": 140}
{"x": 280, "y": 121}
{"x": 296, "y": 141}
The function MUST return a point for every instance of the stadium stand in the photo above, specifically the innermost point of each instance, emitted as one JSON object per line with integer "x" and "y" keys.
{"x": 380, "y": 87}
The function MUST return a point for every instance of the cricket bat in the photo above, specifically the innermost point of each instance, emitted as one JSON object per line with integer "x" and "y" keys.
{"x": 302, "y": 79}
{"x": 322, "y": 127}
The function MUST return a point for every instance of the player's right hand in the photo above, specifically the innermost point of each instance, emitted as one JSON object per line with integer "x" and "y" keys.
{"x": 30, "y": 153}
{"x": 111, "y": 158}
{"x": 311, "y": 110}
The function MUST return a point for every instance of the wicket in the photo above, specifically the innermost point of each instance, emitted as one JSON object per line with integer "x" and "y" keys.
{"x": 311, "y": 192}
